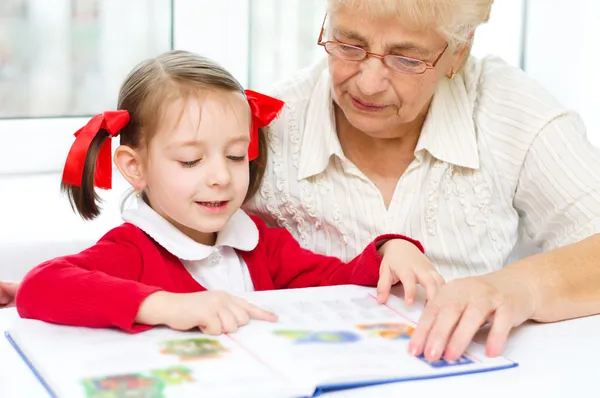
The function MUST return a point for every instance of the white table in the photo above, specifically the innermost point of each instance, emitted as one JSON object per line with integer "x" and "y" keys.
{"x": 555, "y": 360}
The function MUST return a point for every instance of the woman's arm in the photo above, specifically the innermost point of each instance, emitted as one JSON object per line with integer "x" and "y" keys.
{"x": 558, "y": 199}
{"x": 565, "y": 282}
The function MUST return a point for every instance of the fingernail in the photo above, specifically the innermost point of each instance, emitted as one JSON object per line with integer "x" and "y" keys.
{"x": 410, "y": 301}
{"x": 413, "y": 351}
{"x": 433, "y": 353}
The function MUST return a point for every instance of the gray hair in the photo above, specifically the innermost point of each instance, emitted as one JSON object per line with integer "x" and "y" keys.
{"x": 455, "y": 20}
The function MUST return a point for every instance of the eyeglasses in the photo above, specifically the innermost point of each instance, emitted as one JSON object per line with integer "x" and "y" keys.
{"x": 397, "y": 63}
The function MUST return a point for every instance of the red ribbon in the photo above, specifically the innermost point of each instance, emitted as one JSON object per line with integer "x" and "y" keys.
{"x": 264, "y": 109}
{"x": 112, "y": 122}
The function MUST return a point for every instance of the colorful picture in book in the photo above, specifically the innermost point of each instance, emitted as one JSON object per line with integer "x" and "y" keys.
{"x": 329, "y": 337}
{"x": 136, "y": 385}
{"x": 193, "y": 349}
{"x": 174, "y": 375}
{"x": 392, "y": 331}
{"x": 442, "y": 363}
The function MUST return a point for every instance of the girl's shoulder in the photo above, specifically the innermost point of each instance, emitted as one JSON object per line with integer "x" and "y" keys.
{"x": 127, "y": 234}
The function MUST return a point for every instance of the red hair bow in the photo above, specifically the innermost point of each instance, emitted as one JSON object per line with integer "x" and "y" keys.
{"x": 264, "y": 109}
{"x": 112, "y": 122}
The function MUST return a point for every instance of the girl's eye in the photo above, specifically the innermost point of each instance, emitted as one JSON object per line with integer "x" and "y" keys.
{"x": 237, "y": 158}
{"x": 189, "y": 164}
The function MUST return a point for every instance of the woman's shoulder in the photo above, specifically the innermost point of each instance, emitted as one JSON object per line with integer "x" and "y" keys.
{"x": 510, "y": 111}
{"x": 507, "y": 91}
{"x": 299, "y": 87}
{"x": 301, "y": 94}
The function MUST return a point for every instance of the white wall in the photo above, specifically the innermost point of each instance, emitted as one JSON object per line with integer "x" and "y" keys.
{"x": 216, "y": 29}
{"x": 563, "y": 53}
{"x": 283, "y": 37}
{"x": 502, "y": 35}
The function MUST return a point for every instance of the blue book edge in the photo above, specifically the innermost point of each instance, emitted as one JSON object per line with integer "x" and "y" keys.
{"x": 14, "y": 344}
{"x": 345, "y": 386}
{"x": 320, "y": 389}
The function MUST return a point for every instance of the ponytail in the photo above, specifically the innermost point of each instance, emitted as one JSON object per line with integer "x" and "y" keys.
{"x": 89, "y": 162}
{"x": 84, "y": 199}
{"x": 257, "y": 166}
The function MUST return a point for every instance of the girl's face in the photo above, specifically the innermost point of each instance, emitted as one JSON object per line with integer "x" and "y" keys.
{"x": 196, "y": 169}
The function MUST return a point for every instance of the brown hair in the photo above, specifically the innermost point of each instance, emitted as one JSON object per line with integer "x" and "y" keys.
{"x": 144, "y": 94}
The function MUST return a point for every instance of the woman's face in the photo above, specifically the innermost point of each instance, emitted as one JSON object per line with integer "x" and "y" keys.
{"x": 374, "y": 98}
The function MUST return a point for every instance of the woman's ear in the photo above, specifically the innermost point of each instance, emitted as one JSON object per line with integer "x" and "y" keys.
{"x": 130, "y": 165}
{"x": 458, "y": 59}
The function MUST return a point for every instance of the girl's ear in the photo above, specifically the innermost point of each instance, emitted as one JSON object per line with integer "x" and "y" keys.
{"x": 130, "y": 165}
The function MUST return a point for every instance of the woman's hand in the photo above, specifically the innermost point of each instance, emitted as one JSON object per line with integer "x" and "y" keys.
{"x": 213, "y": 312}
{"x": 8, "y": 292}
{"x": 450, "y": 321}
{"x": 403, "y": 262}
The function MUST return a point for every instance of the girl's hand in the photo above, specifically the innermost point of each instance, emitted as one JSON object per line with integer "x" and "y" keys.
{"x": 213, "y": 312}
{"x": 403, "y": 262}
{"x": 8, "y": 291}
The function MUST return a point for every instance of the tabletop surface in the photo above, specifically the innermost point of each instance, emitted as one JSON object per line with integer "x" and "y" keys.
{"x": 555, "y": 360}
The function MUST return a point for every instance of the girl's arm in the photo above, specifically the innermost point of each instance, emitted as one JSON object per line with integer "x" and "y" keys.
{"x": 97, "y": 288}
{"x": 292, "y": 266}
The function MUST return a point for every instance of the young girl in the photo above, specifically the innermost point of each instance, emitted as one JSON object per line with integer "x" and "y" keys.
{"x": 192, "y": 149}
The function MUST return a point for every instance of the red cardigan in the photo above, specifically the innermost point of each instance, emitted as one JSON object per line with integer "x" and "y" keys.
{"x": 104, "y": 285}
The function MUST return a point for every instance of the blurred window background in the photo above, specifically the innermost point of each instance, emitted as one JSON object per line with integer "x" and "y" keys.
{"x": 64, "y": 60}
{"x": 68, "y": 57}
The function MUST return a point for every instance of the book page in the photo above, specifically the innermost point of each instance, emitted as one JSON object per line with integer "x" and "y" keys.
{"x": 344, "y": 335}
{"x": 160, "y": 363}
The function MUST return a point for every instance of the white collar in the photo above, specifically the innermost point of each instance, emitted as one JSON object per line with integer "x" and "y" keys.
{"x": 240, "y": 233}
{"x": 448, "y": 133}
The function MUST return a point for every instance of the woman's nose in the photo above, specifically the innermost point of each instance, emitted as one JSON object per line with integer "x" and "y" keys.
{"x": 373, "y": 78}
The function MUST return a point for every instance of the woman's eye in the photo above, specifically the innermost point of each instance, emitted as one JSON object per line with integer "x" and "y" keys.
{"x": 349, "y": 48}
{"x": 189, "y": 164}
{"x": 404, "y": 61}
{"x": 237, "y": 158}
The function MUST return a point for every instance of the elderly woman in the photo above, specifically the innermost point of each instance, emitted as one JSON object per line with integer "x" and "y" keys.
{"x": 401, "y": 130}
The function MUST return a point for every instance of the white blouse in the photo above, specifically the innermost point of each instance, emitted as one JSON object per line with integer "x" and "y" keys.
{"x": 500, "y": 166}
{"x": 217, "y": 267}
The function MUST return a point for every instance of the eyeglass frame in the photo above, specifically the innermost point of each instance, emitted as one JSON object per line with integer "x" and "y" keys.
{"x": 382, "y": 57}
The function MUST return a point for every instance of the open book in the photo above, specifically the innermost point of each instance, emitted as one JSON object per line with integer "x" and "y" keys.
{"x": 326, "y": 339}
